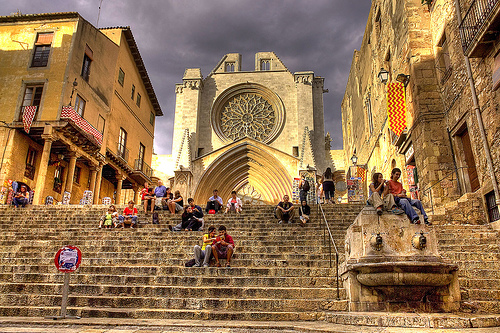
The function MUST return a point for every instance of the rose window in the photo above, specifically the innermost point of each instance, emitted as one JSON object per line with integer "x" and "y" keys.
{"x": 247, "y": 115}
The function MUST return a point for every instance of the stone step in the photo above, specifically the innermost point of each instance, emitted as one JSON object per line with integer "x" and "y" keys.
{"x": 480, "y": 283}
{"x": 36, "y": 290}
{"x": 263, "y": 246}
{"x": 166, "y": 302}
{"x": 478, "y": 247}
{"x": 197, "y": 278}
{"x": 253, "y": 314}
{"x": 179, "y": 254}
{"x": 262, "y": 262}
{"x": 472, "y": 256}
{"x": 481, "y": 294}
{"x": 140, "y": 269}
{"x": 443, "y": 243}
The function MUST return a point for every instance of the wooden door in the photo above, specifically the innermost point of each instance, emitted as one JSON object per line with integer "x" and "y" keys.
{"x": 469, "y": 160}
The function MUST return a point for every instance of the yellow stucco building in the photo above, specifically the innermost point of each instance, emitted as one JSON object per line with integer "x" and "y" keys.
{"x": 90, "y": 101}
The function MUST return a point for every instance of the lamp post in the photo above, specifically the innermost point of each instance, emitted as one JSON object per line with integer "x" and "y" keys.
{"x": 403, "y": 78}
{"x": 75, "y": 84}
{"x": 354, "y": 159}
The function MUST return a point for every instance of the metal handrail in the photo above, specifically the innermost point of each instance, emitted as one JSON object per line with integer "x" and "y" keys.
{"x": 454, "y": 171}
{"x": 332, "y": 241}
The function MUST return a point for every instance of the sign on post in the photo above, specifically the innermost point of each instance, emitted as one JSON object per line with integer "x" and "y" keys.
{"x": 67, "y": 260}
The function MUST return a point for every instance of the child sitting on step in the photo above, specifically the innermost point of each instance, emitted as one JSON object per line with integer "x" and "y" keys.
{"x": 109, "y": 218}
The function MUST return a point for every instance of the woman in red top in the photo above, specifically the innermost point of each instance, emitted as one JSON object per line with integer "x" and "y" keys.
{"x": 128, "y": 212}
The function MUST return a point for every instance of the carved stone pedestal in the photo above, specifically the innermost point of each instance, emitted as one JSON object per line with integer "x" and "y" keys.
{"x": 393, "y": 265}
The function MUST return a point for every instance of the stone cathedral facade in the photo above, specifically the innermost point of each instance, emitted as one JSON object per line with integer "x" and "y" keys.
{"x": 248, "y": 131}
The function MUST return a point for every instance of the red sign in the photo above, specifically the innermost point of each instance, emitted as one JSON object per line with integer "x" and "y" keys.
{"x": 68, "y": 259}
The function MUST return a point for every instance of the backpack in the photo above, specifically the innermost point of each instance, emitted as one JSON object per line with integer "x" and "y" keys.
{"x": 306, "y": 187}
{"x": 156, "y": 219}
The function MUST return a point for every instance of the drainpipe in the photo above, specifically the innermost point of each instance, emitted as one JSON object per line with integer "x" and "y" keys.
{"x": 477, "y": 110}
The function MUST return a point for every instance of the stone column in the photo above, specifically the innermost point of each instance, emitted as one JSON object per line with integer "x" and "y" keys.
{"x": 98, "y": 180}
{"x": 44, "y": 163}
{"x": 93, "y": 175}
{"x": 120, "y": 178}
{"x": 137, "y": 194}
{"x": 71, "y": 171}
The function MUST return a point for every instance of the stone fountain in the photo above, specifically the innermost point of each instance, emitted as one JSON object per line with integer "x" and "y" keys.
{"x": 393, "y": 265}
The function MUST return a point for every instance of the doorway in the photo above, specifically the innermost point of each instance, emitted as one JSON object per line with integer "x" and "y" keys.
{"x": 470, "y": 163}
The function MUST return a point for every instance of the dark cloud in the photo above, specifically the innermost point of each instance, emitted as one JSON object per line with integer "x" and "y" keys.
{"x": 318, "y": 35}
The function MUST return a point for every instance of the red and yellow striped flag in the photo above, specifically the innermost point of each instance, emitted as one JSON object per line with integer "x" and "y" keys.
{"x": 361, "y": 173}
{"x": 396, "y": 107}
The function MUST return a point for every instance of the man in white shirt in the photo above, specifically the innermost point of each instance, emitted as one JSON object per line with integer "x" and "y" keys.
{"x": 214, "y": 202}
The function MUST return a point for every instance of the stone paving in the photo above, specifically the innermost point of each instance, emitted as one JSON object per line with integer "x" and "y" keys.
{"x": 103, "y": 325}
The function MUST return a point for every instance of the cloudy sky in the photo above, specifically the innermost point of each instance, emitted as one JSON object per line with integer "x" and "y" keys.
{"x": 317, "y": 35}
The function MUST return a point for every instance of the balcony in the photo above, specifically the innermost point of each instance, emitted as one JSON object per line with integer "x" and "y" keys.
{"x": 81, "y": 126}
{"x": 119, "y": 157}
{"x": 142, "y": 172}
{"x": 479, "y": 28}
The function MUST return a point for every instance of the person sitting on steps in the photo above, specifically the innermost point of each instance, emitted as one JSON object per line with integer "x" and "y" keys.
{"x": 160, "y": 192}
{"x": 204, "y": 252}
{"x": 21, "y": 198}
{"x": 396, "y": 189}
{"x": 189, "y": 221}
{"x": 380, "y": 198}
{"x": 176, "y": 204}
{"x": 199, "y": 223}
{"x": 284, "y": 211}
{"x": 233, "y": 204}
{"x": 147, "y": 197}
{"x": 129, "y": 212}
{"x": 109, "y": 219}
{"x": 214, "y": 202}
{"x": 304, "y": 212}
{"x": 223, "y": 247}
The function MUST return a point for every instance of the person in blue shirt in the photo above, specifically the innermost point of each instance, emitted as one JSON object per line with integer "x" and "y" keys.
{"x": 160, "y": 190}
{"x": 214, "y": 202}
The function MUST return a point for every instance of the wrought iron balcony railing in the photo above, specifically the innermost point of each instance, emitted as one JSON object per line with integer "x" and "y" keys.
{"x": 475, "y": 22}
{"x": 142, "y": 166}
{"x": 122, "y": 152}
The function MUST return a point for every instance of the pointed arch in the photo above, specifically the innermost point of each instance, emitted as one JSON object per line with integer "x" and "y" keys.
{"x": 241, "y": 164}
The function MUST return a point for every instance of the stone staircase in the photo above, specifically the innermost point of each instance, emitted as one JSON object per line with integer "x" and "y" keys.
{"x": 465, "y": 210}
{"x": 280, "y": 272}
{"x": 476, "y": 250}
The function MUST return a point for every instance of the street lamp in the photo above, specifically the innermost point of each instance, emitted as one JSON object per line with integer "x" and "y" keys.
{"x": 383, "y": 75}
{"x": 403, "y": 78}
{"x": 354, "y": 159}
{"x": 75, "y": 84}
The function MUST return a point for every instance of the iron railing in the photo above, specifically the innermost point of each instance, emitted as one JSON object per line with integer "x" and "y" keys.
{"x": 474, "y": 21}
{"x": 140, "y": 165}
{"x": 122, "y": 152}
{"x": 452, "y": 176}
{"x": 331, "y": 242}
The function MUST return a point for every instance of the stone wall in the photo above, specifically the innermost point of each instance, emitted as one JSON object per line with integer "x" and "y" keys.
{"x": 409, "y": 38}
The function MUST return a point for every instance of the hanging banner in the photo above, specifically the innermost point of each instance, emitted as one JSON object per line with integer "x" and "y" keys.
{"x": 28, "y": 116}
{"x": 361, "y": 173}
{"x": 396, "y": 107}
